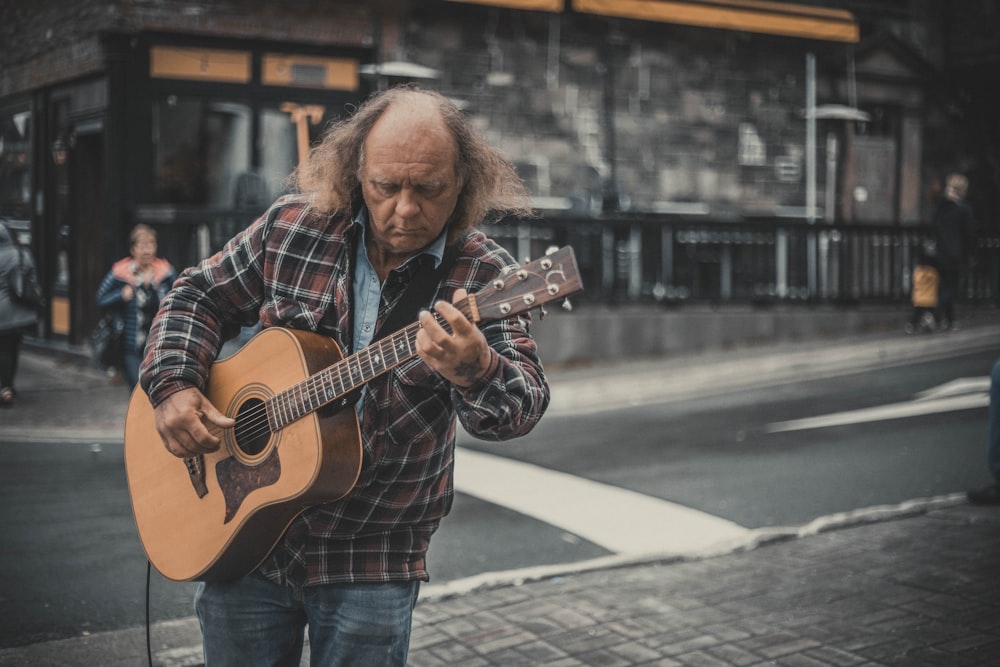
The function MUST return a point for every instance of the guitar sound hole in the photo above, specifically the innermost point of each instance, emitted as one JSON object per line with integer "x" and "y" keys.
{"x": 252, "y": 430}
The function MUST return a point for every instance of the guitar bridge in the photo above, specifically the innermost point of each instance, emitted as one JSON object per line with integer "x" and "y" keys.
{"x": 196, "y": 471}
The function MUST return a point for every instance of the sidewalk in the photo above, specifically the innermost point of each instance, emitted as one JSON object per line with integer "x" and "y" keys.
{"x": 914, "y": 584}
{"x": 920, "y": 590}
{"x": 61, "y": 397}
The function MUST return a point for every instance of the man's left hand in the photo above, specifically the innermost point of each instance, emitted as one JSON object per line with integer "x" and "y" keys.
{"x": 462, "y": 356}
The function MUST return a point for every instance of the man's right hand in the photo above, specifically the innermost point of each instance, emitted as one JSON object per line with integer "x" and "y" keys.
{"x": 182, "y": 420}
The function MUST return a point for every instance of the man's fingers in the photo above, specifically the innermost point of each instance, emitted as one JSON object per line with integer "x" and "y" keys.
{"x": 185, "y": 449}
{"x": 461, "y": 355}
{"x": 212, "y": 414}
{"x": 183, "y": 421}
{"x": 193, "y": 439}
{"x": 456, "y": 319}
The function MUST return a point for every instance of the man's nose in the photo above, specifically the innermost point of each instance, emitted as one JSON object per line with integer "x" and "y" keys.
{"x": 407, "y": 204}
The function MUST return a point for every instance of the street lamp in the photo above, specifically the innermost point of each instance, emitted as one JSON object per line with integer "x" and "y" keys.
{"x": 812, "y": 114}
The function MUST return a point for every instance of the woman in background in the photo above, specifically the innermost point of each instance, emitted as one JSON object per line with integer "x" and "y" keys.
{"x": 132, "y": 290}
{"x": 15, "y": 316}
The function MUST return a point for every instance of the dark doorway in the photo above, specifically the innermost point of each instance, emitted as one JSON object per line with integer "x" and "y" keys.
{"x": 87, "y": 215}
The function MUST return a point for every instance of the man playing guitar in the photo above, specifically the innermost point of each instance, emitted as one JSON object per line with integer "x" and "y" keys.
{"x": 382, "y": 199}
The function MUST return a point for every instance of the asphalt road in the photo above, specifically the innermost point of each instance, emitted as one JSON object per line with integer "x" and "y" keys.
{"x": 714, "y": 455}
{"x": 71, "y": 563}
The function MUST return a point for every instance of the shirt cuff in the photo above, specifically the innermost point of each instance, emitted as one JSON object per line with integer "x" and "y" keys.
{"x": 479, "y": 386}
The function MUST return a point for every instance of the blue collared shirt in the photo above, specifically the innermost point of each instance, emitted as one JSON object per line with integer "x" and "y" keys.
{"x": 368, "y": 289}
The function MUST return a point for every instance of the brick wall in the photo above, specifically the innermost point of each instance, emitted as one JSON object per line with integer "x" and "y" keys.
{"x": 48, "y": 41}
{"x": 702, "y": 120}
{"x": 682, "y": 100}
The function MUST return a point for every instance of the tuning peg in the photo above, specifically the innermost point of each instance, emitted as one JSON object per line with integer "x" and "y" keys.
{"x": 542, "y": 312}
{"x": 566, "y": 305}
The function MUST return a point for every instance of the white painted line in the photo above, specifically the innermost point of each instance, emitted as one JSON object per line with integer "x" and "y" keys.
{"x": 62, "y": 434}
{"x": 621, "y": 521}
{"x": 955, "y": 387}
{"x": 883, "y": 412}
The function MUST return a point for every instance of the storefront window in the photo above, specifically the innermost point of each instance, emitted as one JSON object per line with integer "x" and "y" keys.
{"x": 15, "y": 164}
{"x": 287, "y": 132}
{"x": 201, "y": 149}
{"x": 278, "y": 152}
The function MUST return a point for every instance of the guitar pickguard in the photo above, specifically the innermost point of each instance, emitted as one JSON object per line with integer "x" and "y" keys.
{"x": 238, "y": 480}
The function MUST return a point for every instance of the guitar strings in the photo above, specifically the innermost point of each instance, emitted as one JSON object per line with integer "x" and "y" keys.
{"x": 255, "y": 422}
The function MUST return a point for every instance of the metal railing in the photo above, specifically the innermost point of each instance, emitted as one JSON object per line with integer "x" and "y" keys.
{"x": 675, "y": 261}
{"x": 670, "y": 260}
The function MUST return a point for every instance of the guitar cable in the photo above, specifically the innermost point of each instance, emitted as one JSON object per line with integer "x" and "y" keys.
{"x": 149, "y": 645}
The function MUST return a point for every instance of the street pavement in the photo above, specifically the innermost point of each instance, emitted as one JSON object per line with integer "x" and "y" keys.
{"x": 911, "y": 584}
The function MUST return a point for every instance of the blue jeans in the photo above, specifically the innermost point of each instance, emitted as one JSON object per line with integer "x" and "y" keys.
{"x": 994, "y": 432}
{"x": 253, "y": 621}
{"x": 130, "y": 368}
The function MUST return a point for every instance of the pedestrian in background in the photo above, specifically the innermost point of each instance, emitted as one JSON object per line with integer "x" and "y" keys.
{"x": 954, "y": 225}
{"x": 132, "y": 291}
{"x": 17, "y": 272}
{"x": 924, "y": 292}
{"x": 991, "y": 494}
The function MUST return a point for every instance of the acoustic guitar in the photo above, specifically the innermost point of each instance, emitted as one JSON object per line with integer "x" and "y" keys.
{"x": 216, "y": 516}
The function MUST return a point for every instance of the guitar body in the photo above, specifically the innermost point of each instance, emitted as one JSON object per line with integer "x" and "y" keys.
{"x": 217, "y": 517}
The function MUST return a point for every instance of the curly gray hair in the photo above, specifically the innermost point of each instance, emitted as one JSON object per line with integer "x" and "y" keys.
{"x": 491, "y": 188}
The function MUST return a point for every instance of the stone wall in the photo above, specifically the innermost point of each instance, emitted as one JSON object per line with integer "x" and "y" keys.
{"x": 600, "y": 115}
{"x": 702, "y": 121}
{"x": 51, "y": 41}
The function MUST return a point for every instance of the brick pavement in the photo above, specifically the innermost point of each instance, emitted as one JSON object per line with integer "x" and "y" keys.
{"x": 915, "y": 591}
{"x": 918, "y": 590}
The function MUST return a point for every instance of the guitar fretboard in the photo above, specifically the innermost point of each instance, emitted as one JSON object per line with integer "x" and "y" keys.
{"x": 513, "y": 292}
{"x": 343, "y": 377}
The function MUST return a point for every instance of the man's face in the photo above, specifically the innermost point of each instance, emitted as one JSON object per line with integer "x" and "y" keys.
{"x": 408, "y": 181}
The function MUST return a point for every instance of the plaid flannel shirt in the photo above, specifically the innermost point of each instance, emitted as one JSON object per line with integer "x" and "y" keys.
{"x": 292, "y": 268}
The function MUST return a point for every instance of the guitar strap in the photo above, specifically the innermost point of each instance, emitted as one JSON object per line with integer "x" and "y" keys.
{"x": 417, "y": 295}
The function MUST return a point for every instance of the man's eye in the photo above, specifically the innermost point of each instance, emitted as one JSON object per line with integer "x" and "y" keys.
{"x": 387, "y": 188}
{"x": 430, "y": 191}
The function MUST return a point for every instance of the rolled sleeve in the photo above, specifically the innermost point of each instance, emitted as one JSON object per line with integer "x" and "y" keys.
{"x": 512, "y": 396}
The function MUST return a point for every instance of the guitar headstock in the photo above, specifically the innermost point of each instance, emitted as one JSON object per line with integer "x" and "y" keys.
{"x": 533, "y": 285}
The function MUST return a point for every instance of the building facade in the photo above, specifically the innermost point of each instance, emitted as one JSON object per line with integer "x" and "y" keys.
{"x": 191, "y": 115}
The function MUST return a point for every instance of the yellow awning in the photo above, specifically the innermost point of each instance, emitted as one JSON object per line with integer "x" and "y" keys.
{"x": 775, "y": 18}
{"x": 540, "y": 5}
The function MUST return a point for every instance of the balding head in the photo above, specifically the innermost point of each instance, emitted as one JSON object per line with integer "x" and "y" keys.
{"x": 490, "y": 186}
{"x": 411, "y": 120}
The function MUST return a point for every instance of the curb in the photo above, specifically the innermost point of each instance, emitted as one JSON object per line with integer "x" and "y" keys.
{"x": 757, "y": 538}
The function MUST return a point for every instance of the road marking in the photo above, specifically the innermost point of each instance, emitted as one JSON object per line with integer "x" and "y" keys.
{"x": 622, "y": 521}
{"x": 957, "y": 387}
{"x": 961, "y": 394}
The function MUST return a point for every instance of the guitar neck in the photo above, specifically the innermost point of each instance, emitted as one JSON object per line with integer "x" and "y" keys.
{"x": 513, "y": 292}
{"x": 354, "y": 371}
